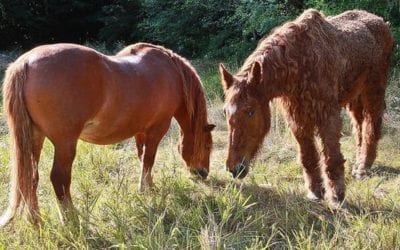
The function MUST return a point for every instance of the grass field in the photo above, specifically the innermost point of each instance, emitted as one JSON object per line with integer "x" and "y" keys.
{"x": 268, "y": 209}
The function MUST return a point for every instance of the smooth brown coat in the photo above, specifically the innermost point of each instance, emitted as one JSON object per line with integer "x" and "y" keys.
{"x": 67, "y": 92}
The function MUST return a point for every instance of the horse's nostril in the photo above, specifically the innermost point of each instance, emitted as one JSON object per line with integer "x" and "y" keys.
{"x": 240, "y": 171}
{"x": 203, "y": 173}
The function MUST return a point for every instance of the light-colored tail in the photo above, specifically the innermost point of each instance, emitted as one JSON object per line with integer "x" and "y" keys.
{"x": 23, "y": 171}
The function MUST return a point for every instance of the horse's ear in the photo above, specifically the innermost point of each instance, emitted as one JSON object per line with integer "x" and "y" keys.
{"x": 209, "y": 127}
{"x": 227, "y": 78}
{"x": 256, "y": 73}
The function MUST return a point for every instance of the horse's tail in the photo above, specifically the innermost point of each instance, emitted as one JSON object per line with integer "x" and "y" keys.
{"x": 20, "y": 124}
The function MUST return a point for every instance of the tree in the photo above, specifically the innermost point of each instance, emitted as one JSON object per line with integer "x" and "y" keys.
{"x": 26, "y": 23}
{"x": 120, "y": 20}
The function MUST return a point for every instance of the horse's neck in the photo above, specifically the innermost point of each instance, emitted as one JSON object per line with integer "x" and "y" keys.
{"x": 185, "y": 121}
{"x": 191, "y": 123}
{"x": 276, "y": 84}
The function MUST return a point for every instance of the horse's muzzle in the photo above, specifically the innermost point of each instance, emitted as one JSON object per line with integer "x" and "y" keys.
{"x": 202, "y": 173}
{"x": 240, "y": 171}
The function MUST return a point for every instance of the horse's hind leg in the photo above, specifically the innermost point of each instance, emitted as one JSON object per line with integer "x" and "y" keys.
{"x": 152, "y": 139}
{"x": 374, "y": 105}
{"x": 355, "y": 109}
{"x": 309, "y": 158}
{"x": 61, "y": 174}
{"x": 330, "y": 132}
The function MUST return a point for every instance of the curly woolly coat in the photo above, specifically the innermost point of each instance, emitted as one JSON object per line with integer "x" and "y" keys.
{"x": 315, "y": 65}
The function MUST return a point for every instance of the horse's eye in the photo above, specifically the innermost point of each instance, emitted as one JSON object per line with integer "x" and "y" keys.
{"x": 251, "y": 113}
{"x": 224, "y": 112}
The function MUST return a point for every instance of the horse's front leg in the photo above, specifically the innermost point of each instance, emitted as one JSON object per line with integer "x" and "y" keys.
{"x": 309, "y": 158}
{"x": 330, "y": 132}
{"x": 140, "y": 139}
{"x": 61, "y": 176}
{"x": 152, "y": 139}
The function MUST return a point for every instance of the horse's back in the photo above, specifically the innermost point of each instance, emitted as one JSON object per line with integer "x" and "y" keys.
{"x": 74, "y": 91}
{"x": 364, "y": 33}
{"x": 353, "y": 19}
{"x": 364, "y": 43}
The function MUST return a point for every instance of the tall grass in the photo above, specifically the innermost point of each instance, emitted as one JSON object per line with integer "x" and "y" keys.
{"x": 268, "y": 209}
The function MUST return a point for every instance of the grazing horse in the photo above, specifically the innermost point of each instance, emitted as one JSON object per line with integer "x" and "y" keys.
{"x": 314, "y": 65}
{"x": 67, "y": 92}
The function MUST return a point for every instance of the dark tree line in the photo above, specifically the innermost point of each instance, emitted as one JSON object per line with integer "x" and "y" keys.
{"x": 26, "y": 23}
{"x": 210, "y": 28}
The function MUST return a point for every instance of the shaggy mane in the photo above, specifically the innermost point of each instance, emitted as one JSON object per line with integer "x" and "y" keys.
{"x": 286, "y": 34}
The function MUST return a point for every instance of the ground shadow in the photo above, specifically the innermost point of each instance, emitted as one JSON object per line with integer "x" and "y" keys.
{"x": 268, "y": 197}
{"x": 385, "y": 171}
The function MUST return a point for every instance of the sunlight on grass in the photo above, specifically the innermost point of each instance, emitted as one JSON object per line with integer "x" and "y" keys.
{"x": 268, "y": 209}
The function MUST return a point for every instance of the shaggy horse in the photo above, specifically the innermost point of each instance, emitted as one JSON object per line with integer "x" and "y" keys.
{"x": 314, "y": 65}
{"x": 67, "y": 92}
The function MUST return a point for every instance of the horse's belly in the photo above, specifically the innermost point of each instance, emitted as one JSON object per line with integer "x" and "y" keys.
{"x": 96, "y": 133}
{"x": 123, "y": 117}
{"x": 103, "y": 140}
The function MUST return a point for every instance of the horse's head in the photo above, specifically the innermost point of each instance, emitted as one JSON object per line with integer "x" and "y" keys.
{"x": 248, "y": 117}
{"x": 196, "y": 152}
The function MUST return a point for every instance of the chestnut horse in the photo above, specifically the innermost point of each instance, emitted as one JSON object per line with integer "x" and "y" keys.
{"x": 67, "y": 92}
{"x": 315, "y": 65}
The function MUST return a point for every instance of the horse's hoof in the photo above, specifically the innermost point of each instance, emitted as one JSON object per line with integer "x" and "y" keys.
{"x": 67, "y": 213}
{"x": 339, "y": 205}
{"x": 143, "y": 187}
{"x": 199, "y": 173}
{"x": 6, "y": 217}
{"x": 311, "y": 196}
{"x": 359, "y": 175}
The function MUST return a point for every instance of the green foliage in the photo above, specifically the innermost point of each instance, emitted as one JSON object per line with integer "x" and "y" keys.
{"x": 197, "y": 29}
{"x": 387, "y": 9}
{"x": 120, "y": 20}
{"x": 209, "y": 28}
{"x": 194, "y": 28}
{"x": 26, "y": 23}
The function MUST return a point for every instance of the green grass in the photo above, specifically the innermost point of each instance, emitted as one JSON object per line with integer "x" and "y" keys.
{"x": 268, "y": 209}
